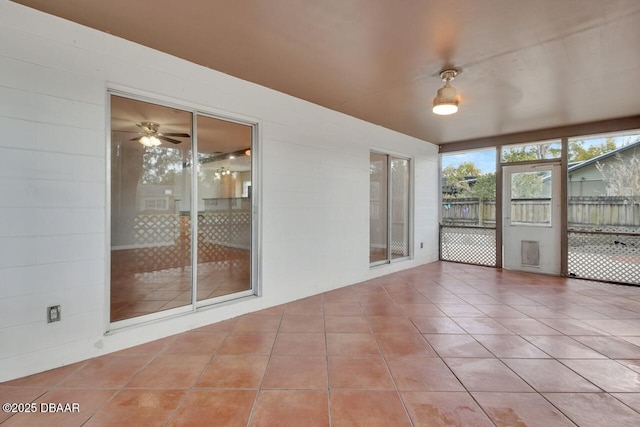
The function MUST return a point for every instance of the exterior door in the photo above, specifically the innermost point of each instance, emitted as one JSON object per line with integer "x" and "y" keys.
{"x": 531, "y": 218}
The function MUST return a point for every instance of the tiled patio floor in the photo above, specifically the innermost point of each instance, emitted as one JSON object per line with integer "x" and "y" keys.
{"x": 442, "y": 344}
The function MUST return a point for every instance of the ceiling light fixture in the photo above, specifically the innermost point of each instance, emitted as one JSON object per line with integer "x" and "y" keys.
{"x": 222, "y": 172}
{"x": 152, "y": 138}
{"x": 149, "y": 141}
{"x": 446, "y": 101}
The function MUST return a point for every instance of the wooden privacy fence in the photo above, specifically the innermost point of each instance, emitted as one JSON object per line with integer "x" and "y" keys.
{"x": 601, "y": 211}
{"x": 469, "y": 211}
{"x": 581, "y": 212}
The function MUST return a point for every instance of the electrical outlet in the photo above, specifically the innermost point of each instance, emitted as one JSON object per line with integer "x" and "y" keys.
{"x": 53, "y": 313}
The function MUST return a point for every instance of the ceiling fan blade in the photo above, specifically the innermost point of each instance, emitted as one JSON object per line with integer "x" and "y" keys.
{"x": 180, "y": 135}
{"x": 171, "y": 140}
{"x": 137, "y": 138}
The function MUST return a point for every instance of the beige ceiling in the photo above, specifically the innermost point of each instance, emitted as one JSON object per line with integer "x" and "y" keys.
{"x": 526, "y": 64}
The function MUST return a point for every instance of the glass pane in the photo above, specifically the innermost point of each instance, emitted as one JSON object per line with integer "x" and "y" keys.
{"x": 224, "y": 207}
{"x": 531, "y": 198}
{"x": 399, "y": 208}
{"x": 469, "y": 189}
{"x": 532, "y": 151}
{"x": 467, "y": 233}
{"x": 604, "y": 166}
{"x": 378, "y": 223}
{"x": 604, "y": 207}
{"x": 150, "y": 198}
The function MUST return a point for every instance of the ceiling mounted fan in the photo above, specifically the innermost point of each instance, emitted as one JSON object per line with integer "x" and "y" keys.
{"x": 153, "y": 138}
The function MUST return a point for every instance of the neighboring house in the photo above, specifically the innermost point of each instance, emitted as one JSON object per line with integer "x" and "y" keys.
{"x": 586, "y": 180}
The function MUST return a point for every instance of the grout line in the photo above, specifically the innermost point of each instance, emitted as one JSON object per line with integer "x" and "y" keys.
{"x": 326, "y": 345}
{"x": 259, "y": 389}
{"x": 444, "y": 285}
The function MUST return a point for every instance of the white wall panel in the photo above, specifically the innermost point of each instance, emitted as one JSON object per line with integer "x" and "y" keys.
{"x": 80, "y": 142}
{"x": 314, "y": 166}
{"x": 18, "y": 133}
{"x": 76, "y": 194}
{"x": 15, "y": 192}
{"x": 30, "y": 77}
{"x": 35, "y": 279}
{"x": 57, "y": 221}
{"x": 16, "y": 222}
{"x": 17, "y": 252}
{"x": 19, "y": 104}
{"x": 55, "y": 249}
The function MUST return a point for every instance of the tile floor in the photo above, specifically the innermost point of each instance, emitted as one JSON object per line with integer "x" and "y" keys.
{"x": 442, "y": 344}
{"x": 157, "y": 278}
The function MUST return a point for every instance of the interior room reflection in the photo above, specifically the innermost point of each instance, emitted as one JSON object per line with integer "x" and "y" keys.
{"x": 152, "y": 169}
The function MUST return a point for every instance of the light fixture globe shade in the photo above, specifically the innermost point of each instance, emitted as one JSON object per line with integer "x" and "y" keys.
{"x": 149, "y": 141}
{"x": 445, "y": 102}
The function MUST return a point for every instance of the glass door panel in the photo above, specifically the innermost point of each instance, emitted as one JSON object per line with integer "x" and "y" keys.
{"x": 224, "y": 207}
{"x": 150, "y": 214}
{"x": 399, "y": 208}
{"x": 378, "y": 207}
{"x": 531, "y": 198}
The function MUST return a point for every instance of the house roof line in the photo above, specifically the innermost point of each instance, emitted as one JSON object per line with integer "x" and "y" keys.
{"x": 603, "y": 156}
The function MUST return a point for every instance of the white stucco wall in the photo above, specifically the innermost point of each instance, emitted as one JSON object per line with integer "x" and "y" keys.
{"x": 53, "y": 187}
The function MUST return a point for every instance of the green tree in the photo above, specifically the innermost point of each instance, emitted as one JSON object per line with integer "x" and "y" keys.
{"x": 161, "y": 165}
{"x": 578, "y": 153}
{"x": 527, "y": 185}
{"x": 484, "y": 187}
{"x": 455, "y": 179}
{"x": 530, "y": 152}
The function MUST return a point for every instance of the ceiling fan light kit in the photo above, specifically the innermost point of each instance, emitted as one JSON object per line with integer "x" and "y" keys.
{"x": 153, "y": 138}
{"x": 149, "y": 141}
{"x": 446, "y": 100}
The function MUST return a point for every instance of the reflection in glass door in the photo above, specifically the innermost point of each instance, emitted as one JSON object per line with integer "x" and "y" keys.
{"x": 155, "y": 193}
{"x": 399, "y": 208}
{"x": 224, "y": 207}
{"x": 150, "y": 227}
{"x": 389, "y": 208}
{"x": 378, "y": 224}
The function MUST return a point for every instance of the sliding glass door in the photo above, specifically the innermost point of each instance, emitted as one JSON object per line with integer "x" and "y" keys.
{"x": 389, "y": 207}
{"x": 181, "y": 236}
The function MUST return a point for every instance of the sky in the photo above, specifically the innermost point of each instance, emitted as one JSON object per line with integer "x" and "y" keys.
{"x": 485, "y": 160}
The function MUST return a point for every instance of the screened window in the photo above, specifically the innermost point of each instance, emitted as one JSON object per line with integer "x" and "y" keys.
{"x": 545, "y": 150}
{"x": 468, "y": 208}
{"x": 603, "y": 207}
{"x": 469, "y": 188}
{"x": 531, "y": 198}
